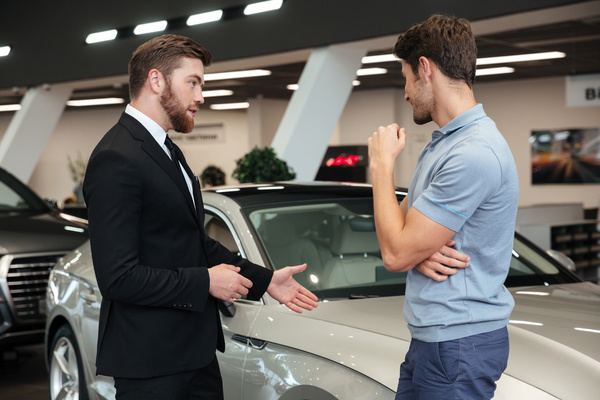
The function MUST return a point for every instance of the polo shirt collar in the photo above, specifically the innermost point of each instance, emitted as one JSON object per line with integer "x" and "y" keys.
{"x": 464, "y": 119}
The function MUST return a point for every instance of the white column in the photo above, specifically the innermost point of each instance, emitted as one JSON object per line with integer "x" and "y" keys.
{"x": 30, "y": 128}
{"x": 315, "y": 108}
{"x": 255, "y": 126}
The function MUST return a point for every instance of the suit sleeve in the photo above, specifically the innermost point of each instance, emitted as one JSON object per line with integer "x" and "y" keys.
{"x": 260, "y": 276}
{"x": 114, "y": 192}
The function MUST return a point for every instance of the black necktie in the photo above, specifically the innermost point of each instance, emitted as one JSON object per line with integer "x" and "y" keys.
{"x": 171, "y": 147}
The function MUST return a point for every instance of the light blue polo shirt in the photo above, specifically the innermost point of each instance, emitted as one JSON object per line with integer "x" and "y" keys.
{"x": 466, "y": 180}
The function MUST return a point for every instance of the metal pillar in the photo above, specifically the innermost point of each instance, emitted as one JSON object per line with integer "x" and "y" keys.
{"x": 315, "y": 108}
{"x": 30, "y": 129}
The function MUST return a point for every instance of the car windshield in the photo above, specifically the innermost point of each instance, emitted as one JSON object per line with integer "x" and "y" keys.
{"x": 337, "y": 240}
{"x": 16, "y": 198}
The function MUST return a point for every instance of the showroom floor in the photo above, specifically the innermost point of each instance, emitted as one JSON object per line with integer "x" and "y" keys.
{"x": 23, "y": 374}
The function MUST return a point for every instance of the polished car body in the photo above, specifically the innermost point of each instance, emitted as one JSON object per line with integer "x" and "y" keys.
{"x": 351, "y": 346}
{"x": 33, "y": 236}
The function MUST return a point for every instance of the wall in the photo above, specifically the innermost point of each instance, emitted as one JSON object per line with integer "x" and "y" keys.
{"x": 517, "y": 107}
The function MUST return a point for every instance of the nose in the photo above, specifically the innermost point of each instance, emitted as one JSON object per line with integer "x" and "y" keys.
{"x": 199, "y": 98}
{"x": 406, "y": 98}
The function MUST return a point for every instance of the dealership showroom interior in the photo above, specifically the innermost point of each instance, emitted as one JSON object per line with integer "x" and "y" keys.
{"x": 281, "y": 149}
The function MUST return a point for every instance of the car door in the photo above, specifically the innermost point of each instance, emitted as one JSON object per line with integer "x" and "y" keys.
{"x": 237, "y": 320}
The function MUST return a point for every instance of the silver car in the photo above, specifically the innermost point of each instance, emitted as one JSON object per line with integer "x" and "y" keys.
{"x": 351, "y": 346}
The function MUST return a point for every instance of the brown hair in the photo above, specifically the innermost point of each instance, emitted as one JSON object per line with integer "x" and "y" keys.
{"x": 447, "y": 41}
{"x": 163, "y": 53}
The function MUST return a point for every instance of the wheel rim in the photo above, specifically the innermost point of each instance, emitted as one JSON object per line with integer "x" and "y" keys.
{"x": 64, "y": 374}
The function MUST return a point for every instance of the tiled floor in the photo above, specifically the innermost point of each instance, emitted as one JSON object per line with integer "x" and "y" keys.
{"x": 23, "y": 374}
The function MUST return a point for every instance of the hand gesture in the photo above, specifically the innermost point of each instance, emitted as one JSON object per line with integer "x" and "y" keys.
{"x": 386, "y": 145}
{"x": 226, "y": 283}
{"x": 444, "y": 263}
{"x": 286, "y": 290}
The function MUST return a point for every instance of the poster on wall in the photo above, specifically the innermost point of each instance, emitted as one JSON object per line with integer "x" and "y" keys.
{"x": 565, "y": 156}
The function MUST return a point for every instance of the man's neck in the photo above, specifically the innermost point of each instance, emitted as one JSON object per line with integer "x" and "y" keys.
{"x": 452, "y": 98}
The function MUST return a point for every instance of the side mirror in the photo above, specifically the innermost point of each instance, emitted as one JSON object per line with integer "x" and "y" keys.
{"x": 52, "y": 203}
{"x": 562, "y": 259}
{"x": 227, "y": 309}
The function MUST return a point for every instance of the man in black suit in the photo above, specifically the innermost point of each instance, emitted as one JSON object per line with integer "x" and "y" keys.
{"x": 160, "y": 275}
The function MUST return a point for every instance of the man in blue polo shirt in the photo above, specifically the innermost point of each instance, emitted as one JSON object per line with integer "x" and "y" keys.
{"x": 454, "y": 231}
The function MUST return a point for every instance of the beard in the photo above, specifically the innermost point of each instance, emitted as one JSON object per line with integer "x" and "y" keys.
{"x": 423, "y": 104}
{"x": 176, "y": 111}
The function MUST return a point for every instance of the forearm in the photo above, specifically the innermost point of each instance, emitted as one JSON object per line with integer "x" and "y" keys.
{"x": 390, "y": 220}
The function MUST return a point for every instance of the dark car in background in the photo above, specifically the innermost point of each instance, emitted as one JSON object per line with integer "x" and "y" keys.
{"x": 33, "y": 235}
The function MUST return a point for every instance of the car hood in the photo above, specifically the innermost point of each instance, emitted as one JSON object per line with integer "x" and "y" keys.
{"x": 558, "y": 325}
{"x": 28, "y": 233}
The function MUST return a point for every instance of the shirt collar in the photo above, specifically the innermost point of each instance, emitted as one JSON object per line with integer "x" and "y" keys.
{"x": 469, "y": 116}
{"x": 155, "y": 130}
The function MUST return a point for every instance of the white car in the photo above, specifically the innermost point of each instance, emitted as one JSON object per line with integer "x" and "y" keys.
{"x": 351, "y": 346}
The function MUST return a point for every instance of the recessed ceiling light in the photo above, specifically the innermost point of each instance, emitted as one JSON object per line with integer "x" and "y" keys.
{"x": 371, "y": 71}
{"x": 494, "y": 71}
{"x": 95, "y": 102}
{"x": 204, "y": 18}
{"x": 262, "y": 6}
{"x": 521, "y": 58}
{"x": 216, "y": 93}
{"x": 101, "y": 36}
{"x": 230, "y": 106}
{"x": 236, "y": 74}
{"x": 150, "y": 27}
{"x": 4, "y": 51}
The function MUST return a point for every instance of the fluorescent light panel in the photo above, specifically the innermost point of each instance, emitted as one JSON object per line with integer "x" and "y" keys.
{"x": 294, "y": 86}
{"x": 379, "y": 58}
{"x": 371, "y": 71}
{"x": 4, "y": 51}
{"x": 263, "y": 6}
{"x": 95, "y": 102}
{"x": 150, "y": 27}
{"x": 204, "y": 18}
{"x": 481, "y": 61}
{"x": 216, "y": 93}
{"x": 521, "y": 58}
{"x": 236, "y": 74}
{"x": 101, "y": 36}
{"x": 10, "y": 107}
{"x": 230, "y": 106}
{"x": 494, "y": 71}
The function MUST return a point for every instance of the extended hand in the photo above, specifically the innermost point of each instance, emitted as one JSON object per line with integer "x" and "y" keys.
{"x": 444, "y": 263}
{"x": 226, "y": 283}
{"x": 286, "y": 290}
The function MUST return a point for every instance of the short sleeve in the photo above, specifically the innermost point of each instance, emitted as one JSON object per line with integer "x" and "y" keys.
{"x": 464, "y": 179}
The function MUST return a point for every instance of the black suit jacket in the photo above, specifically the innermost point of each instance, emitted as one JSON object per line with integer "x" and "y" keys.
{"x": 151, "y": 257}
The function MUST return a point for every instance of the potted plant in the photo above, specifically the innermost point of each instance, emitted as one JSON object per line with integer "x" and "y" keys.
{"x": 212, "y": 176}
{"x": 262, "y": 165}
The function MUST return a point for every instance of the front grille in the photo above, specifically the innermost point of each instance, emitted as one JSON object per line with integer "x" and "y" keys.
{"x": 27, "y": 279}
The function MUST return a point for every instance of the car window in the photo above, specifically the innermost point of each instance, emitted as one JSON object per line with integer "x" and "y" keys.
{"x": 218, "y": 230}
{"x": 338, "y": 242}
{"x": 16, "y": 197}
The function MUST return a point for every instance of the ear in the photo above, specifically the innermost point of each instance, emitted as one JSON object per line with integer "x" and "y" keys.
{"x": 155, "y": 80}
{"x": 426, "y": 67}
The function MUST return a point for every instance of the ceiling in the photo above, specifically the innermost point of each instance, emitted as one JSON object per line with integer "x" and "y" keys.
{"x": 572, "y": 28}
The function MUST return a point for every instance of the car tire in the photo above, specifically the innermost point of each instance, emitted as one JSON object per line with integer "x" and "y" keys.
{"x": 67, "y": 380}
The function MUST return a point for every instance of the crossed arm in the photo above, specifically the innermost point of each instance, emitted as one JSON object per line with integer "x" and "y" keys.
{"x": 407, "y": 238}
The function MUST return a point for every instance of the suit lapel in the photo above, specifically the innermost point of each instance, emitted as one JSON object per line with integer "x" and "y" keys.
{"x": 156, "y": 152}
